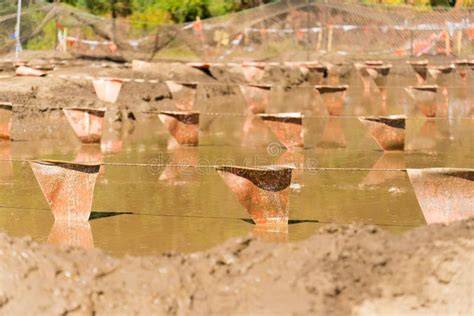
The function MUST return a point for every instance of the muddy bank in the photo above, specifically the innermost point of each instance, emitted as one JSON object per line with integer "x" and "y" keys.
{"x": 342, "y": 270}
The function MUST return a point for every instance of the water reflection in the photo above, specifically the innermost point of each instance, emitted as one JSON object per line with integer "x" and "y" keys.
{"x": 71, "y": 233}
{"x": 388, "y": 160}
{"x": 185, "y": 211}
{"x": 6, "y": 166}
{"x": 272, "y": 234}
{"x": 333, "y": 134}
{"x": 180, "y": 170}
{"x": 89, "y": 153}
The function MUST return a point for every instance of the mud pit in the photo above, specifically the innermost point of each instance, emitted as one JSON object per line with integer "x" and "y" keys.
{"x": 142, "y": 209}
{"x": 341, "y": 271}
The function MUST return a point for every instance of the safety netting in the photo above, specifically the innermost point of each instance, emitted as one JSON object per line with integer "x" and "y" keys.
{"x": 281, "y": 31}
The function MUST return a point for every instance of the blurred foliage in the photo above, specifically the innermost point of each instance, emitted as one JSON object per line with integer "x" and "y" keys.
{"x": 46, "y": 40}
{"x": 422, "y": 3}
{"x": 165, "y": 10}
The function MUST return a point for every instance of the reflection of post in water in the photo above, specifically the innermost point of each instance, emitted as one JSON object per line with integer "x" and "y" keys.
{"x": 441, "y": 75}
{"x": 426, "y": 138}
{"x": 254, "y": 132}
{"x": 71, "y": 233}
{"x": 181, "y": 168}
{"x": 183, "y": 93}
{"x": 6, "y": 165}
{"x": 6, "y": 113}
{"x": 365, "y": 77}
{"x": 333, "y": 134}
{"x": 272, "y": 234}
{"x": 421, "y": 69}
{"x": 388, "y": 160}
{"x": 256, "y": 96}
{"x": 295, "y": 158}
{"x": 89, "y": 153}
{"x": 379, "y": 74}
{"x": 444, "y": 194}
{"x": 336, "y": 71}
{"x": 424, "y": 98}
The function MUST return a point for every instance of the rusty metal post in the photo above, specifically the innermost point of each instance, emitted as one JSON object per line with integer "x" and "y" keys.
{"x": 264, "y": 192}
{"x": 287, "y": 127}
{"x": 444, "y": 194}
{"x": 182, "y": 125}
{"x": 87, "y": 123}
{"x": 183, "y": 93}
{"x": 387, "y": 131}
{"x": 67, "y": 187}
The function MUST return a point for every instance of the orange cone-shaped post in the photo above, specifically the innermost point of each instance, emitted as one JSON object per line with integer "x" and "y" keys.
{"x": 257, "y": 97}
{"x": 183, "y": 93}
{"x": 253, "y": 71}
{"x": 199, "y": 65}
{"x": 30, "y": 72}
{"x": 107, "y": 90}
{"x": 387, "y": 131}
{"x": 374, "y": 62}
{"x": 379, "y": 73}
{"x": 68, "y": 187}
{"x": 336, "y": 71}
{"x": 420, "y": 67}
{"x": 462, "y": 68}
{"x": 316, "y": 72}
{"x": 287, "y": 127}
{"x": 182, "y": 125}
{"x": 86, "y": 123}
{"x": 6, "y": 111}
{"x": 333, "y": 98}
{"x": 440, "y": 73}
{"x": 364, "y": 76}
{"x": 72, "y": 234}
{"x": 263, "y": 192}
{"x": 204, "y": 67}
{"x": 444, "y": 194}
{"x": 425, "y": 98}
{"x": 140, "y": 65}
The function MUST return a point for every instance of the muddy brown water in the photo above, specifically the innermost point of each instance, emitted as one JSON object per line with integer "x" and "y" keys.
{"x": 145, "y": 210}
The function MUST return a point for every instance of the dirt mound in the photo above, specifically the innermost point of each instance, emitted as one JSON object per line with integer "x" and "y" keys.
{"x": 343, "y": 270}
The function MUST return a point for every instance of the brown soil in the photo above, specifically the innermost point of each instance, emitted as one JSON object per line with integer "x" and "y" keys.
{"x": 342, "y": 270}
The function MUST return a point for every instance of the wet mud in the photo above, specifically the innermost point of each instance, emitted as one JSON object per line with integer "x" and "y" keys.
{"x": 168, "y": 202}
{"x": 342, "y": 270}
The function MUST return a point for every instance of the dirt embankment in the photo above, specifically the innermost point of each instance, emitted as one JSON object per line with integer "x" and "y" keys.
{"x": 343, "y": 270}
